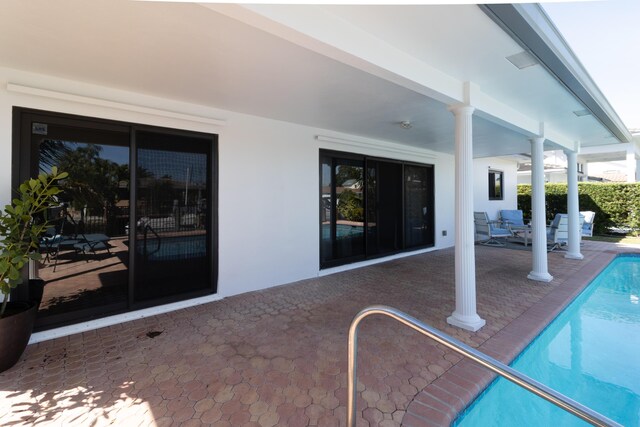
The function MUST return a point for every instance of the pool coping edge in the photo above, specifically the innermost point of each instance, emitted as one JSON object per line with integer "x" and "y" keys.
{"x": 440, "y": 402}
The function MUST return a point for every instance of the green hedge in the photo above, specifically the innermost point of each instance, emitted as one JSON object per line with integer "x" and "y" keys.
{"x": 615, "y": 204}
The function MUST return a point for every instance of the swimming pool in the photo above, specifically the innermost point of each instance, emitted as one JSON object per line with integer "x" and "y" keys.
{"x": 342, "y": 231}
{"x": 590, "y": 353}
{"x": 173, "y": 248}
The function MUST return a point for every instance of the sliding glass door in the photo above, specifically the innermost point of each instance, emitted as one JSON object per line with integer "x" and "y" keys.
{"x": 371, "y": 207}
{"x": 136, "y": 223}
{"x": 342, "y": 201}
{"x": 85, "y": 266}
{"x": 173, "y": 233}
{"x": 384, "y": 207}
{"x": 418, "y": 206}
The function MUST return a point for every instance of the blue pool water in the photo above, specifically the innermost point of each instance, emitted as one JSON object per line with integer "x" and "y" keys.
{"x": 174, "y": 248}
{"x": 342, "y": 231}
{"x": 590, "y": 352}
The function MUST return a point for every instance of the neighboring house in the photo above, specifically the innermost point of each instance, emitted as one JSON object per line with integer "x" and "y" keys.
{"x": 606, "y": 163}
{"x": 300, "y": 140}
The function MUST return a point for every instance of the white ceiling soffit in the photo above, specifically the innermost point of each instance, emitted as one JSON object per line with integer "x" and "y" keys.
{"x": 355, "y": 69}
{"x": 434, "y": 50}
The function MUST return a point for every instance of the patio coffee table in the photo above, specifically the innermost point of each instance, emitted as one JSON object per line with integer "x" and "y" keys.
{"x": 522, "y": 232}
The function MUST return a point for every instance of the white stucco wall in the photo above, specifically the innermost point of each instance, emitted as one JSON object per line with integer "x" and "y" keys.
{"x": 268, "y": 174}
{"x": 481, "y": 202}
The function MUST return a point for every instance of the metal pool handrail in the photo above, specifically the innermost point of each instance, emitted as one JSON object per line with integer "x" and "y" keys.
{"x": 529, "y": 384}
{"x": 147, "y": 228}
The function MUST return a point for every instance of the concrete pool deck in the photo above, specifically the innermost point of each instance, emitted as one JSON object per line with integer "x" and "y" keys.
{"x": 278, "y": 356}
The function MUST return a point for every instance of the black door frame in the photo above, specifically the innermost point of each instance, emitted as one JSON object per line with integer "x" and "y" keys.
{"x": 333, "y": 154}
{"x": 24, "y": 161}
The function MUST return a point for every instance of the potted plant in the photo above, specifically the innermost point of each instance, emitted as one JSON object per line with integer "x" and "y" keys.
{"x": 20, "y": 233}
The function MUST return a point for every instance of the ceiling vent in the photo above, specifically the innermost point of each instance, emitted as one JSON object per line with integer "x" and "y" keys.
{"x": 581, "y": 113}
{"x": 523, "y": 60}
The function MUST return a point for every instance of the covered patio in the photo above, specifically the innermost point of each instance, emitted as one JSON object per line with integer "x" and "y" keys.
{"x": 278, "y": 356}
{"x": 258, "y": 95}
{"x": 456, "y": 90}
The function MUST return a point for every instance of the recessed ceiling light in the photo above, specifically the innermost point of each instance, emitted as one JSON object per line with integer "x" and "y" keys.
{"x": 406, "y": 124}
{"x": 522, "y": 60}
{"x": 581, "y": 113}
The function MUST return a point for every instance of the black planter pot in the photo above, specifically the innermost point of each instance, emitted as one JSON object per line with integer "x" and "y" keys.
{"x": 36, "y": 290}
{"x": 15, "y": 331}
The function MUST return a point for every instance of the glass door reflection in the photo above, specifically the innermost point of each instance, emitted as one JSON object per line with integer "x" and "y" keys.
{"x": 172, "y": 236}
{"x": 342, "y": 209}
{"x": 85, "y": 252}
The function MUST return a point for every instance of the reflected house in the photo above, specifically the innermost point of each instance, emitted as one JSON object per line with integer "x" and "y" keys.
{"x": 281, "y": 150}
{"x": 122, "y": 206}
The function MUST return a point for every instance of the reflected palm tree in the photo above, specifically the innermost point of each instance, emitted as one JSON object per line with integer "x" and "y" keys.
{"x": 94, "y": 183}
{"x": 51, "y": 153}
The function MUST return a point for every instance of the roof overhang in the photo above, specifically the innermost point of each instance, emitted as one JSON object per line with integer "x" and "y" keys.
{"x": 533, "y": 29}
{"x": 359, "y": 70}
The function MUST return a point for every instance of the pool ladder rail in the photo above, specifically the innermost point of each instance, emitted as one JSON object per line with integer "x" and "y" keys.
{"x": 529, "y": 384}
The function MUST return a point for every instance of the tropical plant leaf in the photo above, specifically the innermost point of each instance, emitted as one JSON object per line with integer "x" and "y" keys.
{"x": 21, "y": 231}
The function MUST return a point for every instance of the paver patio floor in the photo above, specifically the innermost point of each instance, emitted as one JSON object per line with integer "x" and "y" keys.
{"x": 278, "y": 356}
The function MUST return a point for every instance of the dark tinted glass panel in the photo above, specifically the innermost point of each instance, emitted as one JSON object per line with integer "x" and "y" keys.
{"x": 384, "y": 207}
{"x": 343, "y": 221}
{"x": 85, "y": 252}
{"x": 349, "y": 187}
{"x": 97, "y": 260}
{"x": 372, "y": 207}
{"x": 418, "y": 210}
{"x": 495, "y": 185}
{"x": 172, "y": 247}
{"x": 327, "y": 210}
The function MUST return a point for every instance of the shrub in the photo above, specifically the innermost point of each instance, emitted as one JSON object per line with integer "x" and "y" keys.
{"x": 615, "y": 204}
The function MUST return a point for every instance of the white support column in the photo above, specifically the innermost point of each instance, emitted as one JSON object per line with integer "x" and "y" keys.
{"x": 538, "y": 214}
{"x": 573, "y": 207}
{"x": 465, "y": 315}
{"x": 631, "y": 164}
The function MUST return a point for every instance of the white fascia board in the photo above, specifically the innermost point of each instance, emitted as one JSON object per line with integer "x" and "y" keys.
{"x": 557, "y": 43}
{"x": 318, "y": 30}
{"x": 571, "y": 73}
{"x": 609, "y": 148}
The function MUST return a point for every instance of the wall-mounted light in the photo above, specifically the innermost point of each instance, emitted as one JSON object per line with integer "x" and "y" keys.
{"x": 406, "y": 124}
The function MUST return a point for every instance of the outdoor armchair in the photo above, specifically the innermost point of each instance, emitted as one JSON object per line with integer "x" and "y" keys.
{"x": 490, "y": 231}
{"x": 558, "y": 232}
{"x": 587, "y": 227}
{"x": 512, "y": 218}
{"x": 514, "y": 221}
